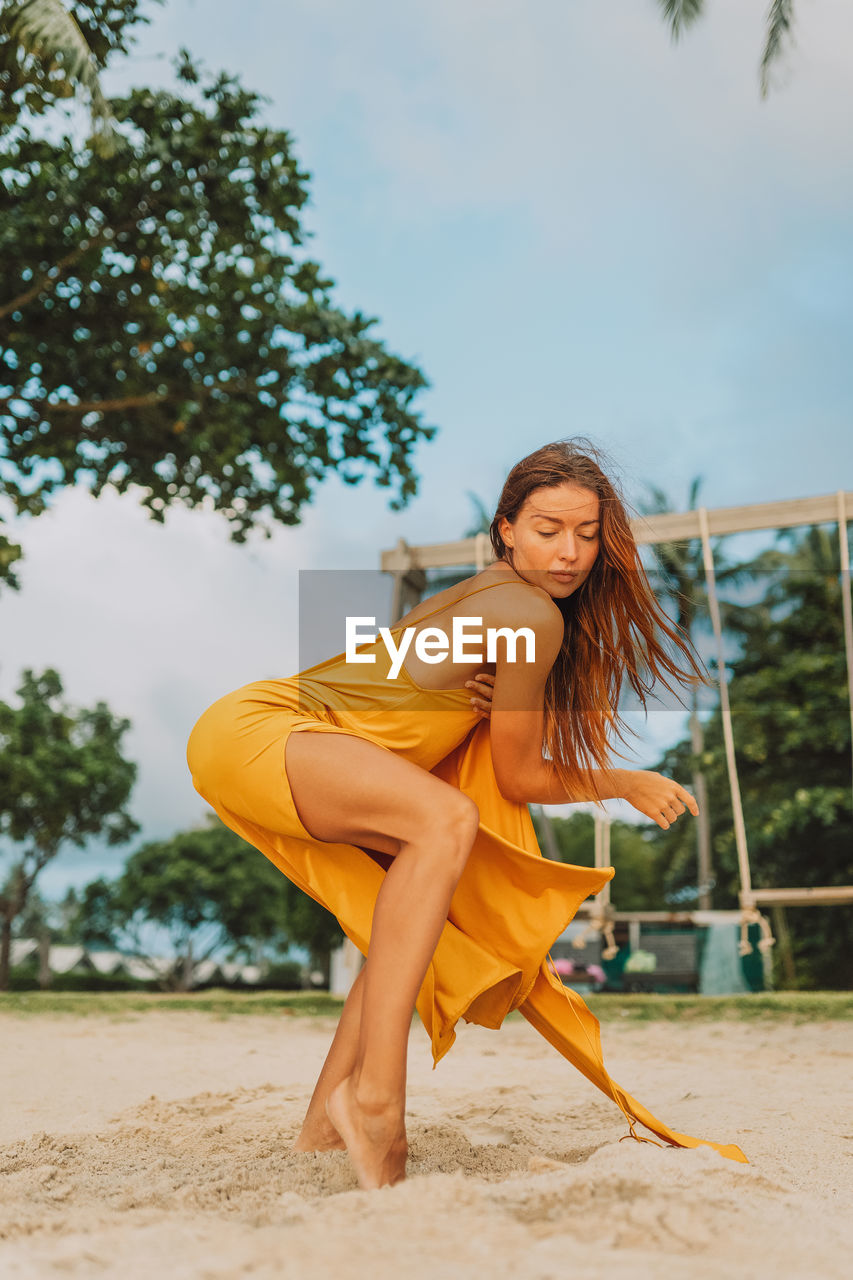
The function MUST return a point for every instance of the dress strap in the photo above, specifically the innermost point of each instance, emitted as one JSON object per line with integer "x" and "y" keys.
{"x": 510, "y": 582}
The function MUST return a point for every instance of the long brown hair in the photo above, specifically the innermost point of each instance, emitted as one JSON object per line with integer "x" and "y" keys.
{"x": 614, "y": 627}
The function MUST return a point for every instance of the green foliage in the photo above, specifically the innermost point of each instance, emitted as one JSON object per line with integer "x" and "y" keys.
{"x": 62, "y": 779}
{"x": 97, "y": 920}
{"x": 25, "y": 978}
{"x": 284, "y": 976}
{"x": 680, "y": 14}
{"x": 209, "y": 890}
{"x": 45, "y": 54}
{"x": 221, "y": 1003}
{"x": 161, "y": 325}
{"x": 47, "y": 48}
{"x": 783, "y": 1007}
{"x": 639, "y": 881}
{"x": 788, "y": 696}
{"x": 62, "y": 776}
{"x": 9, "y": 553}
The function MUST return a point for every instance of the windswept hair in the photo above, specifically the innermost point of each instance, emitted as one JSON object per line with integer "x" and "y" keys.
{"x": 614, "y": 627}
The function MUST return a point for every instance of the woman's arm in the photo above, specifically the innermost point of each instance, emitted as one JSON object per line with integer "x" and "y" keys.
{"x": 651, "y": 793}
{"x": 513, "y": 700}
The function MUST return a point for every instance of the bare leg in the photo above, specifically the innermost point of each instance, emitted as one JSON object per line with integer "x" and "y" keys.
{"x": 368, "y": 1107}
{"x": 318, "y": 1132}
{"x": 346, "y": 789}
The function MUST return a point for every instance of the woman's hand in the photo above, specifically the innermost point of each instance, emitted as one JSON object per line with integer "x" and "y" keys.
{"x": 657, "y": 797}
{"x": 483, "y": 682}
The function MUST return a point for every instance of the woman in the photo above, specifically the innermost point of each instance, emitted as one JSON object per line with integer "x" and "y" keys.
{"x": 400, "y": 803}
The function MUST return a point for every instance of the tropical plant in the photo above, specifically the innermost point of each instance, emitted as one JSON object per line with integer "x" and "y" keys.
{"x": 788, "y": 695}
{"x": 681, "y": 14}
{"x": 63, "y": 779}
{"x": 639, "y": 882}
{"x": 50, "y": 50}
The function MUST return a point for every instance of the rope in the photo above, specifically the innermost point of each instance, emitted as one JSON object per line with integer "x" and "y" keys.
{"x": 748, "y": 916}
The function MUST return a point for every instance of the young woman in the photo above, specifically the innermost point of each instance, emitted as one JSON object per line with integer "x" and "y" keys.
{"x": 400, "y": 803}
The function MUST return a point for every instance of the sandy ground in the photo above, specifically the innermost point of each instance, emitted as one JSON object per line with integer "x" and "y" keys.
{"x": 159, "y": 1145}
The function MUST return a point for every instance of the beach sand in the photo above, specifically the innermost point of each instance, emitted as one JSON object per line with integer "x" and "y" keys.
{"x": 159, "y": 1144}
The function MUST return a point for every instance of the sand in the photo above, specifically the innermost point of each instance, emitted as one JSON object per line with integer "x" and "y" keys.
{"x": 159, "y": 1144}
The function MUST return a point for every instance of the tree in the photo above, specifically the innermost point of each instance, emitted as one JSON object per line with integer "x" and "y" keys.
{"x": 310, "y": 926}
{"x": 639, "y": 883}
{"x": 47, "y": 52}
{"x": 792, "y": 738}
{"x": 209, "y": 890}
{"x": 9, "y": 553}
{"x": 62, "y": 779}
{"x": 49, "y": 923}
{"x": 162, "y": 326}
{"x": 780, "y": 16}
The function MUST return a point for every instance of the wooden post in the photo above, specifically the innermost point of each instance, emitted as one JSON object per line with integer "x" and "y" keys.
{"x": 847, "y": 611}
{"x": 703, "y": 824}
{"x": 786, "y": 951}
{"x": 549, "y": 840}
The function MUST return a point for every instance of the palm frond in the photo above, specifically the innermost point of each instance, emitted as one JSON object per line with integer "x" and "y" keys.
{"x": 483, "y": 521}
{"x": 48, "y": 31}
{"x": 680, "y": 13}
{"x": 657, "y": 502}
{"x": 780, "y": 19}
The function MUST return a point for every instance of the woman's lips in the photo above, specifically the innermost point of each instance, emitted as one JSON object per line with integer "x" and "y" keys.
{"x": 564, "y": 577}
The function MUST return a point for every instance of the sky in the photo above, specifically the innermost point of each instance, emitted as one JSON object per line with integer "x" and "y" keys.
{"x": 573, "y": 226}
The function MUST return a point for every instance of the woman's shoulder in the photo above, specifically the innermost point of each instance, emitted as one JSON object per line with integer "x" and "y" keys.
{"x": 499, "y": 597}
{"x": 523, "y": 607}
{"x": 514, "y": 599}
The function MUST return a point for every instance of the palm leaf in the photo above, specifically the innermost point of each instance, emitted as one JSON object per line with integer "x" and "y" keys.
{"x": 680, "y": 13}
{"x": 48, "y": 31}
{"x": 779, "y": 22}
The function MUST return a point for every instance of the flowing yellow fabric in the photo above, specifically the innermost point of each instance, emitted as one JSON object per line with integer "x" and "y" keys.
{"x": 510, "y": 903}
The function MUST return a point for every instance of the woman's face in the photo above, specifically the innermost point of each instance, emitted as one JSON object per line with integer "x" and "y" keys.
{"x": 555, "y": 537}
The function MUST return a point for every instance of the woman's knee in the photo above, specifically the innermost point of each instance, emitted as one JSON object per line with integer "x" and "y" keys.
{"x": 449, "y": 831}
{"x": 467, "y": 818}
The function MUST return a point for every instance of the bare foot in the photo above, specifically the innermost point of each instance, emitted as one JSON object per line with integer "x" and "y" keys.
{"x": 319, "y": 1137}
{"x": 375, "y": 1140}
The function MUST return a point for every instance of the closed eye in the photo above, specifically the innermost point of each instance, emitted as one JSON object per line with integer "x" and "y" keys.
{"x": 583, "y": 537}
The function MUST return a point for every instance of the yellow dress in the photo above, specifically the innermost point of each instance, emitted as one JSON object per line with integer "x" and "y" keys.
{"x": 510, "y": 903}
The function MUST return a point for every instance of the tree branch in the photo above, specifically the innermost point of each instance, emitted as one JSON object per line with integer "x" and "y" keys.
{"x": 55, "y": 273}
{"x": 86, "y": 406}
